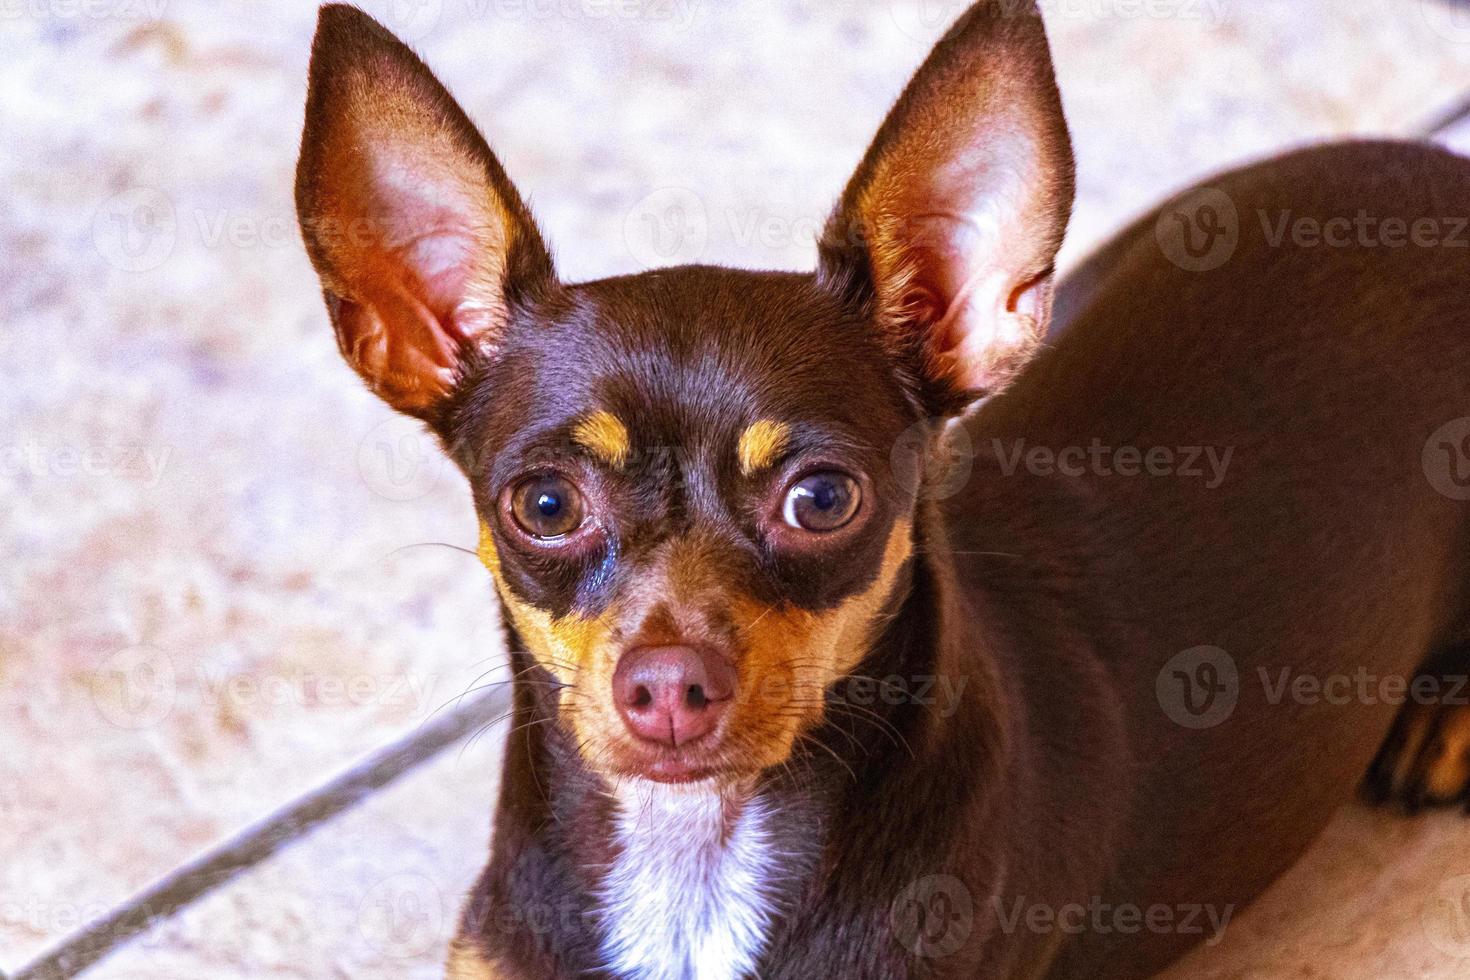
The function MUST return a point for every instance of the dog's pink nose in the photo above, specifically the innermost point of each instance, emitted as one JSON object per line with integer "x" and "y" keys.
{"x": 672, "y": 695}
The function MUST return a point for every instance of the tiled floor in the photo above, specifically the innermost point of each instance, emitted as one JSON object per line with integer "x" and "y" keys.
{"x": 373, "y": 896}
{"x": 203, "y": 606}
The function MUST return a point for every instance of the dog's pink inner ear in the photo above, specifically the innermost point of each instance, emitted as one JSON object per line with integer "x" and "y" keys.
{"x": 408, "y": 217}
{"x": 960, "y": 265}
{"x": 962, "y": 201}
{"x": 414, "y": 280}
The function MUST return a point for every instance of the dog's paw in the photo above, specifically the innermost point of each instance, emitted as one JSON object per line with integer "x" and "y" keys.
{"x": 1426, "y": 759}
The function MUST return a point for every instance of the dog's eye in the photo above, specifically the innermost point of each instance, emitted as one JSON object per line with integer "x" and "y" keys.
{"x": 547, "y": 506}
{"x": 821, "y": 502}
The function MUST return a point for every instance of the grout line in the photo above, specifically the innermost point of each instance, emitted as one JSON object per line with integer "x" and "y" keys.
{"x": 220, "y": 864}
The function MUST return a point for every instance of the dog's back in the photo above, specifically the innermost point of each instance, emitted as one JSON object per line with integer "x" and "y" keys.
{"x": 1268, "y": 384}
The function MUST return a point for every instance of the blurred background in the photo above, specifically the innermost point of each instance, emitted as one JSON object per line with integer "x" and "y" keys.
{"x": 219, "y": 582}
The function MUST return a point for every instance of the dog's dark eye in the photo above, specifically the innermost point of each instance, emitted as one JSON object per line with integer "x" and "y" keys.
{"x": 547, "y": 507}
{"x": 821, "y": 502}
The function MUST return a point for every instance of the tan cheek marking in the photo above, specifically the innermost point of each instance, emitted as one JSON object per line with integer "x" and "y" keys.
{"x": 843, "y": 636}
{"x": 853, "y": 623}
{"x": 565, "y": 646}
{"x": 605, "y": 436}
{"x": 486, "y": 550}
{"x": 761, "y": 444}
{"x": 792, "y": 654}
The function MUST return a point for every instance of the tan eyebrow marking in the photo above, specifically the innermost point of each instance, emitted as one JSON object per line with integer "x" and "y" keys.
{"x": 605, "y": 436}
{"x": 761, "y": 444}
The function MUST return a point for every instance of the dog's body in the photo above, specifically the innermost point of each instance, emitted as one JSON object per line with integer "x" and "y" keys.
{"x": 1074, "y": 804}
{"x": 1323, "y": 552}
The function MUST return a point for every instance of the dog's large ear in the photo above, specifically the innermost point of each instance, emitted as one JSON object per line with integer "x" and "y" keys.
{"x": 952, "y": 222}
{"x": 421, "y": 242}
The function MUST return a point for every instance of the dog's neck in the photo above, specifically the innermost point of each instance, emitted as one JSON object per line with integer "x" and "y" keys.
{"x": 691, "y": 893}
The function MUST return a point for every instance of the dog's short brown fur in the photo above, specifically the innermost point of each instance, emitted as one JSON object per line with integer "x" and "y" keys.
{"x": 683, "y": 406}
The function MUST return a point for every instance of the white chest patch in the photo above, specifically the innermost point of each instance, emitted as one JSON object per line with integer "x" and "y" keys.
{"x": 689, "y": 896}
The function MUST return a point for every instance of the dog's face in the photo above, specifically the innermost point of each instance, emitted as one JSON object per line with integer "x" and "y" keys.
{"x": 696, "y": 459}
{"x": 685, "y": 478}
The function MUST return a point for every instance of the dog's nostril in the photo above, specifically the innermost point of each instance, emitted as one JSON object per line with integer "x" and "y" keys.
{"x": 695, "y": 697}
{"x": 642, "y": 697}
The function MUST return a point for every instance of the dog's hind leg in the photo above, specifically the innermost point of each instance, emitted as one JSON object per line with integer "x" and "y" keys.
{"x": 1425, "y": 761}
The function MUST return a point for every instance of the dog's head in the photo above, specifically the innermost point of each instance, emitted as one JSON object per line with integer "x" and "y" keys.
{"x": 684, "y": 477}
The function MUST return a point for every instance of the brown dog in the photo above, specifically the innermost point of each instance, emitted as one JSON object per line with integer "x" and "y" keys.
{"x": 791, "y": 702}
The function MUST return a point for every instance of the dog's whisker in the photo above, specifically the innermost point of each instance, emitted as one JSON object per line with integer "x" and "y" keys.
{"x": 430, "y": 544}
{"x": 809, "y": 740}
